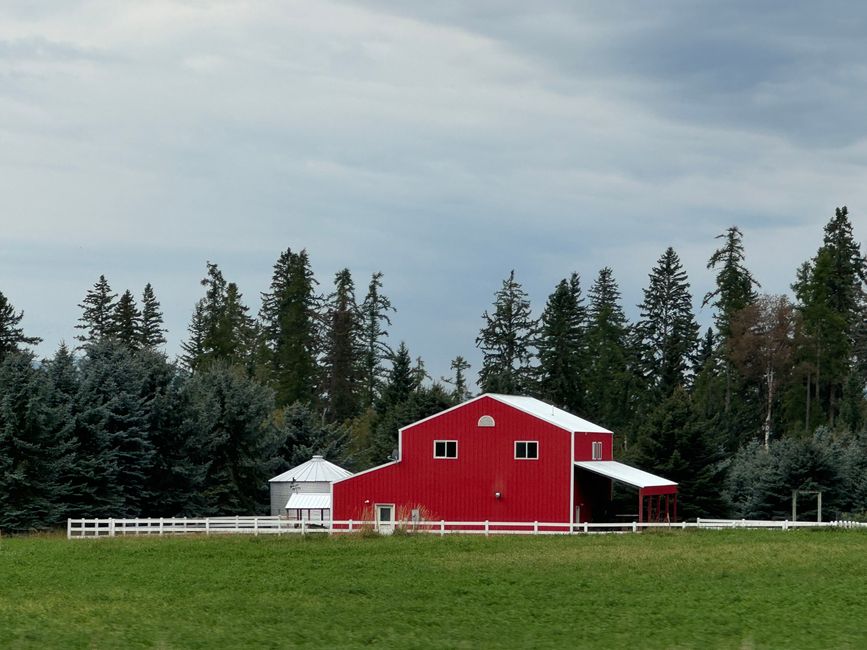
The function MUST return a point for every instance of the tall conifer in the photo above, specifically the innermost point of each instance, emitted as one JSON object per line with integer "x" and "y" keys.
{"x": 12, "y": 336}
{"x": 152, "y": 332}
{"x": 97, "y": 317}
{"x": 342, "y": 359}
{"x": 373, "y": 331}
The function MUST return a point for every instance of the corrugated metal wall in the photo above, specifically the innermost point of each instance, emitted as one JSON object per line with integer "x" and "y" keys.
{"x": 464, "y": 489}
{"x": 280, "y": 493}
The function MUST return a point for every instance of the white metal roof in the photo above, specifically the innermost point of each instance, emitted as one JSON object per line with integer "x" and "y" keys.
{"x": 624, "y": 473}
{"x": 315, "y": 469}
{"x": 549, "y": 413}
{"x": 312, "y": 501}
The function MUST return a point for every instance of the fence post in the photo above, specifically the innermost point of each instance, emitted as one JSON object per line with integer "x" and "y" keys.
{"x": 161, "y": 525}
{"x": 585, "y": 528}
{"x": 634, "y": 527}
{"x": 442, "y": 527}
{"x": 350, "y": 525}
{"x": 256, "y": 526}
{"x": 237, "y": 525}
{"x": 535, "y": 527}
{"x": 68, "y": 528}
{"x": 486, "y": 528}
{"x": 786, "y": 525}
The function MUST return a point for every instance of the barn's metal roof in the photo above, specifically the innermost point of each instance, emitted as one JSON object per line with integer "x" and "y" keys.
{"x": 315, "y": 469}
{"x": 549, "y": 413}
{"x": 312, "y": 501}
{"x": 624, "y": 473}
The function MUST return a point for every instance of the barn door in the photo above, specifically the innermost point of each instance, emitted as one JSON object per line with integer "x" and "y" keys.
{"x": 385, "y": 518}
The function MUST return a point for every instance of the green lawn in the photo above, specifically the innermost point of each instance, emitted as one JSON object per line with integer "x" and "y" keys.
{"x": 699, "y": 589}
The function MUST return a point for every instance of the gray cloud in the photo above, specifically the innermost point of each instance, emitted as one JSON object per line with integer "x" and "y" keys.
{"x": 442, "y": 143}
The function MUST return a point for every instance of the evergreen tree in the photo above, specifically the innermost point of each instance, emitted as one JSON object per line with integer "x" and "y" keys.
{"x": 460, "y": 392}
{"x": 673, "y": 443}
{"x": 402, "y": 381}
{"x": 374, "y": 319}
{"x": 221, "y": 329}
{"x": 34, "y": 447}
{"x": 289, "y": 320}
{"x": 233, "y": 415}
{"x": 563, "y": 347}
{"x": 735, "y": 286}
{"x": 342, "y": 358}
{"x": 151, "y": 332}
{"x": 830, "y": 294}
{"x": 115, "y": 450}
{"x": 507, "y": 341}
{"x": 608, "y": 394}
{"x": 306, "y": 435}
{"x": 126, "y": 318}
{"x": 668, "y": 330}
{"x": 97, "y": 318}
{"x": 12, "y": 336}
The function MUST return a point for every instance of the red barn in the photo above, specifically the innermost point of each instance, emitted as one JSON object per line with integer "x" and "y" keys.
{"x": 500, "y": 458}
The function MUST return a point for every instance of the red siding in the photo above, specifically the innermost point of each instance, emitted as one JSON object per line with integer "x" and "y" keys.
{"x": 464, "y": 489}
{"x": 584, "y": 445}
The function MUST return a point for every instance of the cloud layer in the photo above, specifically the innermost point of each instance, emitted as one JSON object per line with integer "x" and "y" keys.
{"x": 442, "y": 143}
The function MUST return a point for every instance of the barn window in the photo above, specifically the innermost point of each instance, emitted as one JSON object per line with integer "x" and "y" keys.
{"x": 597, "y": 451}
{"x": 527, "y": 449}
{"x": 486, "y": 421}
{"x": 445, "y": 448}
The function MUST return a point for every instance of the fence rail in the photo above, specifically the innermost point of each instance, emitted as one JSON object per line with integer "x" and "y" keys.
{"x": 92, "y": 528}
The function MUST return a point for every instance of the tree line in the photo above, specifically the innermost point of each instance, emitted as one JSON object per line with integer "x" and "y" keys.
{"x": 767, "y": 400}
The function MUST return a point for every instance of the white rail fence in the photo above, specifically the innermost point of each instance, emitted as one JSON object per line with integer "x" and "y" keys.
{"x": 93, "y": 528}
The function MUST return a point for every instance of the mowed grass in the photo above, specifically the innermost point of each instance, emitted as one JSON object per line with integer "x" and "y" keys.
{"x": 701, "y": 589}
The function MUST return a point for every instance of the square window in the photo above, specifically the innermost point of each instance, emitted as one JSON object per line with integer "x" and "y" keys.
{"x": 526, "y": 449}
{"x": 445, "y": 448}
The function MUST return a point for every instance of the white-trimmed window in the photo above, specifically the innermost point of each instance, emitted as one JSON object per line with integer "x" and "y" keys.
{"x": 486, "y": 421}
{"x": 526, "y": 449}
{"x": 597, "y": 451}
{"x": 445, "y": 448}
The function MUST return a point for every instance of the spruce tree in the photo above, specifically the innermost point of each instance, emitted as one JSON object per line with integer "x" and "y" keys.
{"x": 289, "y": 320}
{"x": 401, "y": 382}
{"x": 342, "y": 358}
{"x": 306, "y": 435}
{"x": 735, "y": 286}
{"x": 373, "y": 331}
{"x": 608, "y": 393}
{"x": 12, "y": 336}
{"x": 460, "y": 392}
{"x": 221, "y": 329}
{"x": 34, "y": 448}
{"x": 126, "y": 318}
{"x": 151, "y": 332}
{"x": 563, "y": 347}
{"x": 97, "y": 318}
{"x": 507, "y": 341}
{"x": 668, "y": 330}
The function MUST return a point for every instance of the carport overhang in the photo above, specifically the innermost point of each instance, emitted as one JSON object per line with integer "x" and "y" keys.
{"x": 649, "y": 485}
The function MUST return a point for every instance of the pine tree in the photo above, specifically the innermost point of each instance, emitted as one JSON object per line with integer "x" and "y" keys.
{"x": 306, "y": 435}
{"x": 608, "y": 394}
{"x": 507, "y": 341}
{"x": 668, "y": 330}
{"x": 12, "y": 336}
{"x": 126, "y": 321}
{"x": 342, "y": 357}
{"x": 563, "y": 347}
{"x": 289, "y": 320}
{"x": 151, "y": 334}
{"x": 460, "y": 392}
{"x": 97, "y": 318}
{"x": 373, "y": 321}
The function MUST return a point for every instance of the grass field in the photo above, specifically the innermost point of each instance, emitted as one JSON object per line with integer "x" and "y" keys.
{"x": 732, "y": 589}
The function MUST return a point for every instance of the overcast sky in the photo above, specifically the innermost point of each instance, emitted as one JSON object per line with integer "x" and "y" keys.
{"x": 443, "y": 143}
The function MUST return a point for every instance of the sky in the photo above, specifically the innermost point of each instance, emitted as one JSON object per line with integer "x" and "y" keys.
{"x": 442, "y": 143}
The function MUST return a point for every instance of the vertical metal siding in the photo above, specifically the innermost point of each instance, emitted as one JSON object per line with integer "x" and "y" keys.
{"x": 464, "y": 489}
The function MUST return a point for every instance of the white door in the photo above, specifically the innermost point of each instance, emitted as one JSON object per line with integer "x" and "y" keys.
{"x": 385, "y": 518}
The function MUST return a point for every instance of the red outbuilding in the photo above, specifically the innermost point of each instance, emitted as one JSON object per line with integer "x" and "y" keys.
{"x": 500, "y": 458}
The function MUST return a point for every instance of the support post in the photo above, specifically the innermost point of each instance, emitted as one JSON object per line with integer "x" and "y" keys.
{"x": 675, "y": 506}
{"x": 207, "y": 525}
{"x": 442, "y": 527}
{"x": 640, "y": 506}
{"x": 350, "y": 525}
{"x": 819, "y": 506}
{"x": 487, "y": 528}
{"x": 535, "y": 527}
{"x": 794, "y": 505}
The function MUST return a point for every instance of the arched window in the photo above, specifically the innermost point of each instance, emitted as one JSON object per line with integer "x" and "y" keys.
{"x": 486, "y": 421}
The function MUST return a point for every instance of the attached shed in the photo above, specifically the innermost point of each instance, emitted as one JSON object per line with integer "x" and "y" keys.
{"x": 304, "y": 492}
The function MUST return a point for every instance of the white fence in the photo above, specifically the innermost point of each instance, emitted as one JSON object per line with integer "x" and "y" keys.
{"x": 90, "y": 528}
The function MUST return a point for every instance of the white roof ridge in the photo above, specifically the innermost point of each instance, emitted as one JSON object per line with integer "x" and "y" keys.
{"x": 317, "y": 469}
